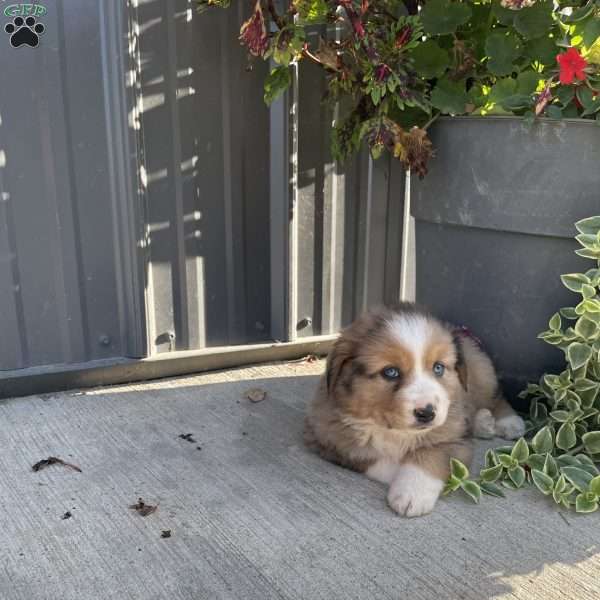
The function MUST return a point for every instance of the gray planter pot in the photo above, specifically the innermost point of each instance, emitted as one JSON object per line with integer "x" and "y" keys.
{"x": 494, "y": 231}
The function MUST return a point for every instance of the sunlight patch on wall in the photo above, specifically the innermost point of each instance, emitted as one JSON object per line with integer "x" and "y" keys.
{"x": 186, "y": 91}
{"x": 152, "y": 101}
{"x": 189, "y": 164}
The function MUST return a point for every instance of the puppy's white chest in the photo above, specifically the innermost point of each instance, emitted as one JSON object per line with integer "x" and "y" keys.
{"x": 392, "y": 445}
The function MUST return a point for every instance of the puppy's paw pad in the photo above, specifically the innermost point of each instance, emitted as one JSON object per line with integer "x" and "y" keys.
{"x": 484, "y": 425}
{"x": 414, "y": 492}
{"x": 510, "y": 428}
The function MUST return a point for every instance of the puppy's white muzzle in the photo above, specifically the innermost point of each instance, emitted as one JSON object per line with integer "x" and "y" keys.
{"x": 426, "y": 401}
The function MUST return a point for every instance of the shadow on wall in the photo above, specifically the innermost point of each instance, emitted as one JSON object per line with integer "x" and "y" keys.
{"x": 328, "y": 206}
{"x": 72, "y": 293}
{"x": 204, "y": 131}
{"x": 204, "y": 135}
{"x": 254, "y": 501}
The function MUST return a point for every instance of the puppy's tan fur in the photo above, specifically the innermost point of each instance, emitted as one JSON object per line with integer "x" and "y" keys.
{"x": 363, "y": 421}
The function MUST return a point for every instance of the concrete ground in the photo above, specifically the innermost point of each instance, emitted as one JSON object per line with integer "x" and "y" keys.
{"x": 252, "y": 515}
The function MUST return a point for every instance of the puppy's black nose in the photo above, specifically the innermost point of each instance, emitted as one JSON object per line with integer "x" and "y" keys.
{"x": 425, "y": 415}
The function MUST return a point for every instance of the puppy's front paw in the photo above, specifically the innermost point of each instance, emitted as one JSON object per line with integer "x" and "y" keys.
{"x": 510, "y": 427}
{"x": 484, "y": 425}
{"x": 414, "y": 492}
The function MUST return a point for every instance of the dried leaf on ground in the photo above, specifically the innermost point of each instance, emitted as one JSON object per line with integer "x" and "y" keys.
{"x": 53, "y": 460}
{"x": 142, "y": 508}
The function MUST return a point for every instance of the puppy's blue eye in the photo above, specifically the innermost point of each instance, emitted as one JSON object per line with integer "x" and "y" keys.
{"x": 391, "y": 373}
{"x": 438, "y": 369}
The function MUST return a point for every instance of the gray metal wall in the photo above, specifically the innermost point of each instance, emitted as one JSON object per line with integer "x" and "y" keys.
{"x": 151, "y": 203}
{"x": 68, "y": 263}
{"x": 206, "y": 142}
{"x": 349, "y": 220}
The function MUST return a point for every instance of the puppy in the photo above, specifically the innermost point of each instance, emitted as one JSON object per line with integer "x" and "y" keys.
{"x": 401, "y": 395}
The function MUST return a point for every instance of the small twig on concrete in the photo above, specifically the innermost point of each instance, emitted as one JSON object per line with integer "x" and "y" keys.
{"x": 564, "y": 518}
{"x": 53, "y": 460}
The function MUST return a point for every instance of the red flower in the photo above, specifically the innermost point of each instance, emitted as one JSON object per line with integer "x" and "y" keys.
{"x": 358, "y": 26}
{"x": 382, "y": 72}
{"x": 253, "y": 33}
{"x": 571, "y": 65}
{"x": 403, "y": 36}
{"x": 353, "y": 16}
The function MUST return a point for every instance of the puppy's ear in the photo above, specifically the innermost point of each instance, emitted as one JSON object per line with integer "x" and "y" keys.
{"x": 339, "y": 356}
{"x": 461, "y": 365}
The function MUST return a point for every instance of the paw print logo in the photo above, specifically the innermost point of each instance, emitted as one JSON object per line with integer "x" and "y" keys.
{"x": 24, "y": 31}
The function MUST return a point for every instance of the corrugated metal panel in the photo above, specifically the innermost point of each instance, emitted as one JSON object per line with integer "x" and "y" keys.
{"x": 62, "y": 262}
{"x": 349, "y": 220}
{"x": 151, "y": 203}
{"x": 216, "y": 180}
{"x": 206, "y": 141}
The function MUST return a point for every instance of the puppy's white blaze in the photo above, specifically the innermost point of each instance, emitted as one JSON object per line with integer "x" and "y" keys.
{"x": 384, "y": 471}
{"x": 414, "y": 491}
{"x": 411, "y": 330}
{"x": 510, "y": 427}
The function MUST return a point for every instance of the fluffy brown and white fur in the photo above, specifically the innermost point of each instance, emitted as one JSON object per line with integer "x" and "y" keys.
{"x": 402, "y": 394}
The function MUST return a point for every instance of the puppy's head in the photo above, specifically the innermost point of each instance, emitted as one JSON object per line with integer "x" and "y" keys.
{"x": 399, "y": 368}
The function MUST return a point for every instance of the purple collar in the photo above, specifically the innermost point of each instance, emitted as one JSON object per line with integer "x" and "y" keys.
{"x": 466, "y": 332}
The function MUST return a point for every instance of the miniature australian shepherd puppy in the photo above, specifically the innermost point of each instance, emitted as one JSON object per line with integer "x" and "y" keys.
{"x": 402, "y": 394}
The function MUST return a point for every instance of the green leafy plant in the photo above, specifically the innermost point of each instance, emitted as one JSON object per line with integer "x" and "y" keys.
{"x": 394, "y": 66}
{"x": 560, "y": 455}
